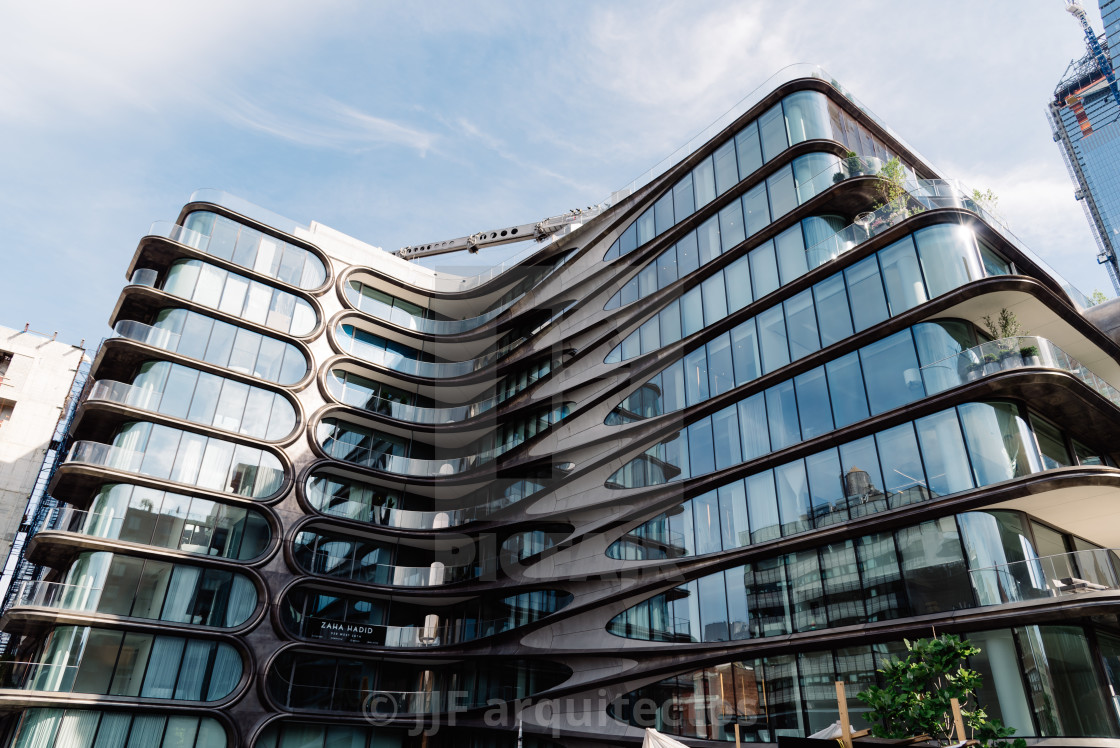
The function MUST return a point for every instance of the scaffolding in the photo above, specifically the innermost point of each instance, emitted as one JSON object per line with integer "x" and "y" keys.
{"x": 37, "y": 515}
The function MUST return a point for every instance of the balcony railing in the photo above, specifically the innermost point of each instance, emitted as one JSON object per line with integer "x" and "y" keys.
{"x": 106, "y": 455}
{"x": 144, "y": 277}
{"x": 58, "y": 595}
{"x": 1060, "y": 575}
{"x": 401, "y": 318}
{"x": 38, "y": 676}
{"x": 1010, "y": 353}
{"x": 107, "y": 390}
{"x": 157, "y": 337}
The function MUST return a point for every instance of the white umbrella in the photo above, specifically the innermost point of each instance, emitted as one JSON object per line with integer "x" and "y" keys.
{"x": 654, "y": 739}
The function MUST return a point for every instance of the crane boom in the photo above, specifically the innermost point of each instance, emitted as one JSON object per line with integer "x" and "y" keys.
{"x": 540, "y": 231}
{"x": 1074, "y": 7}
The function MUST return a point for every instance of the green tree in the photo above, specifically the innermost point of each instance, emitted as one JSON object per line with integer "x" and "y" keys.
{"x": 891, "y": 187}
{"x": 917, "y": 693}
{"x": 987, "y": 197}
{"x": 1097, "y": 297}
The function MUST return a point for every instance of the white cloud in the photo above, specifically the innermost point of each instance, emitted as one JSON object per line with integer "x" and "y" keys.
{"x": 325, "y": 123}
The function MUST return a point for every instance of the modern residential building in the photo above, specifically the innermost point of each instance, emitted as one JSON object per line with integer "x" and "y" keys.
{"x": 687, "y": 464}
{"x": 1084, "y": 114}
{"x": 37, "y": 375}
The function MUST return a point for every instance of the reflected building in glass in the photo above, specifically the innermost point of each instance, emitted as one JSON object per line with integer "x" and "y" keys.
{"x": 684, "y": 466}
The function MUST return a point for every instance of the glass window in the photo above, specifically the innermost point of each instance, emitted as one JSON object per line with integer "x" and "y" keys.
{"x": 801, "y": 321}
{"x": 904, "y": 478}
{"x": 781, "y": 408}
{"x": 993, "y": 263}
{"x": 735, "y": 527}
{"x": 756, "y": 210}
{"x": 704, "y": 180}
{"x": 696, "y": 376}
{"x": 865, "y": 289}
{"x": 701, "y": 450}
{"x": 764, "y": 270}
{"x": 845, "y": 384}
{"x": 999, "y": 442}
{"x": 891, "y": 371}
{"x": 902, "y": 276}
{"x": 826, "y": 488}
{"x": 684, "y": 202}
{"x": 663, "y": 213}
{"x": 731, "y": 228}
{"x": 792, "y": 262}
{"x": 727, "y": 170}
{"x": 772, "y": 130}
{"x": 807, "y": 117}
{"x": 948, "y": 255}
{"x": 669, "y": 322}
{"x": 783, "y": 196}
{"x": 772, "y": 339}
{"x": 725, "y": 428}
{"x": 628, "y": 242}
{"x": 688, "y": 254}
{"x": 667, "y": 267}
{"x": 713, "y": 607}
{"x": 943, "y": 450}
{"x": 752, "y": 423}
{"x": 833, "y": 318}
{"x": 738, "y": 275}
{"x": 721, "y": 374}
{"x": 705, "y": 513}
{"x": 645, "y": 224}
{"x": 809, "y": 610}
{"x": 1051, "y": 444}
{"x": 649, "y": 335}
{"x": 715, "y": 299}
{"x": 768, "y": 601}
{"x": 762, "y": 507}
{"x": 933, "y": 566}
{"x": 673, "y": 387}
{"x": 883, "y": 591}
{"x": 812, "y": 403}
{"x": 744, "y": 352}
{"x": 749, "y": 150}
{"x": 863, "y": 483}
{"x": 793, "y": 497}
{"x": 692, "y": 312}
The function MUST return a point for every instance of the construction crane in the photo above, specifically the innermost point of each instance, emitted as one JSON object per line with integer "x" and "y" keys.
{"x": 1095, "y": 49}
{"x": 539, "y": 231}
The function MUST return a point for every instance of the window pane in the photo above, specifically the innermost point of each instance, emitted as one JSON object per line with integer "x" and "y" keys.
{"x": 883, "y": 592}
{"x": 904, "y": 478}
{"x": 833, "y": 318}
{"x": 701, "y": 457}
{"x": 696, "y": 376}
{"x": 762, "y": 507}
{"x": 781, "y": 408}
{"x": 721, "y": 376}
{"x": 943, "y": 451}
{"x": 801, "y": 321}
{"x": 731, "y": 228}
{"x": 752, "y": 424}
{"x": 756, "y": 209}
{"x": 684, "y": 203}
{"x": 688, "y": 255}
{"x": 667, "y": 267}
{"x": 949, "y": 257}
{"x": 663, "y": 213}
{"x": 692, "y": 312}
{"x": 725, "y": 429}
{"x": 749, "y": 150}
{"x": 891, "y": 371}
{"x": 738, "y": 275}
{"x": 735, "y": 528}
{"x": 812, "y": 403}
{"x": 826, "y": 488}
{"x": 669, "y": 321}
{"x": 803, "y": 569}
{"x": 1052, "y": 444}
{"x": 783, "y": 196}
{"x": 792, "y": 262}
{"x": 999, "y": 442}
{"x": 793, "y": 497}
{"x": 704, "y": 180}
{"x": 845, "y": 384}
{"x": 715, "y": 299}
{"x": 744, "y": 351}
{"x": 863, "y": 483}
{"x": 673, "y": 387}
{"x": 933, "y": 567}
{"x": 772, "y": 129}
{"x": 772, "y": 339}
{"x": 705, "y": 514}
{"x": 645, "y": 227}
{"x": 764, "y": 270}
{"x": 902, "y": 276}
{"x": 865, "y": 289}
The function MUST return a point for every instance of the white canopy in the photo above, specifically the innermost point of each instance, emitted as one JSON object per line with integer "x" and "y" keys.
{"x": 654, "y": 739}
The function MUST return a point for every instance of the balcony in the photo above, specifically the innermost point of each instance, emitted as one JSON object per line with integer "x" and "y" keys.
{"x": 57, "y": 595}
{"x": 157, "y": 337}
{"x": 346, "y": 567}
{"x": 1008, "y": 354}
{"x": 1046, "y": 577}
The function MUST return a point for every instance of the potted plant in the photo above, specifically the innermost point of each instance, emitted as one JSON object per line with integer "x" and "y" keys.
{"x": 1006, "y": 331}
{"x": 991, "y": 364}
{"x": 1030, "y": 355}
{"x": 854, "y": 163}
{"x": 972, "y": 371}
{"x": 918, "y": 694}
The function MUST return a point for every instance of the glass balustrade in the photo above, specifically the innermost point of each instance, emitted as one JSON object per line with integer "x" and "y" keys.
{"x": 345, "y": 567}
{"x": 1060, "y": 575}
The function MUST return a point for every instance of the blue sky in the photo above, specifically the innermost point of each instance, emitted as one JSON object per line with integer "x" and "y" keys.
{"x": 404, "y": 123}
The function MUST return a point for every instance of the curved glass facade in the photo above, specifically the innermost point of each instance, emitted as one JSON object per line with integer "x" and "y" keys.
{"x": 321, "y": 616}
{"x": 401, "y": 313}
{"x": 381, "y": 562}
{"x": 801, "y": 116}
{"x": 289, "y": 734}
{"x": 185, "y": 457}
{"x": 884, "y": 375}
{"x": 117, "y": 585}
{"x": 206, "y": 339}
{"x": 137, "y": 514}
{"x": 1034, "y": 679}
{"x": 254, "y": 250}
{"x": 375, "y": 349}
{"x": 251, "y": 300}
{"x": 86, "y": 728}
{"x": 298, "y": 681}
{"x": 887, "y": 283}
{"x": 712, "y": 239}
{"x": 934, "y": 567}
{"x": 199, "y": 397}
{"x": 131, "y": 664}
